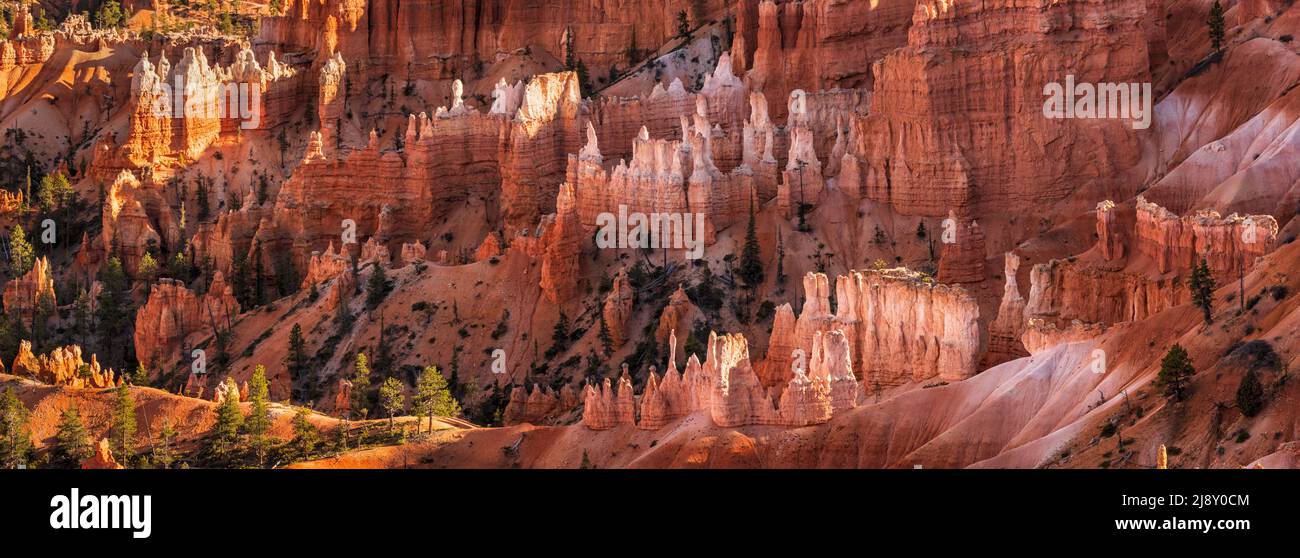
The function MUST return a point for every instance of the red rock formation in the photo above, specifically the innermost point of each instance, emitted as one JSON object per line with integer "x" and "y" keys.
{"x": 738, "y": 399}
{"x": 618, "y": 308}
{"x": 1110, "y": 235}
{"x": 781, "y": 345}
{"x": 342, "y": 397}
{"x": 563, "y": 241}
{"x": 412, "y": 252}
{"x": 325, "y": 266}
{"x": 902, "y": 326}
{"x": 533, "y": 158}
{"x": 23, "y": 295}
{"x": 1004, "y": 332}
{"x": 1061, "y": 291}
{"x": 817, "y": 44}
{"x": 490, "y": 248}
{"x": 927, "y": 145}
{"x": 606, "y": 408}
{"x": 832, "y": 365}
{"x": 226, "y": 389}
{"x": 679, "y": 314}
{"x": 961, "y": 259}
{"x": 102, "y": 458}
{"x": 539, "y": 407}
{"x": 1041, "y": 335}
{"x": 1228, "y": 244}
{"x": 128, "y": 229}
{"x": 63, "y": 367}
{"x": 173, "y": 313}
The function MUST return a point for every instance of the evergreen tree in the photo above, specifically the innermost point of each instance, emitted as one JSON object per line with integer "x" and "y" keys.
{"x": 239, "y": 280}
{"x": 164, "y": 453}
{"x": 360, "y": 385}
{"x": 82, "y": 317}
{"x": 15, "y": 437}
{"x": 72, "y": 442}
{"x": 45, "y": 308}
{"x": 683, "y": 25}
{"x": 124, "y": 425}
{"x": 1217, "y": 25}
{"x": 920, "y": 230}
{"x": 259, "y": 294}
{"x": 305, "y": 434}
{"x": 296, "y": 361}
{"x": 751, "y": 265}
{"x": 21, "y": 254}
{"x": 179, "y": 268}
{"x": 453, "y": 380}
{"x": 606, "y": 342}
{"x": 1202, "y": 287}
{"x": 141, "y": 376}
{"x": 258, "y": 422}
{"x": 1250, "y": 394}
{"x": 111, "y": 316}
{"x": 224, "y": 436}
{"x": 111, "y": 15}
{"x": 433, "y": 398}
{"x": 560, "y": 335}
{"x": 201, "y": 193}
{"x": 391, "y": 399}
{"x": 1175, "y": 371}
{"x": 53, "y": 192}
{"x": 780, "y": 260}
{"x": 148, "y": 268}
{"x": 376, "y": 287}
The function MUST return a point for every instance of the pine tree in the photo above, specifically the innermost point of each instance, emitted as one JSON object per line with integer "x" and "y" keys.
{"x": 82, "y": 317}
{"x": 164, "y": 453}
{"x": 239, "y": 279}
{"x": 433, "y": 397}
{"x": 224, "y": 436}
{"x": 920, "y": 230}
{"x": 377, "y": 286}
{"x": 21, "y": 254}
{"x": 141, "y": 376}
{"x": 453, "y": 380}
{"x": 606, "y": 342}
{"x": 111, "y": 316}
{"x": 1175, "y": 371}
{"x": 258, "y": 422}
{"x": 53, "y": 192}
{"x": 1202, "y": 287}
{"x": 179, "y": 268}
{"x": 1217, "y": 25}
{"x": 305, "y": 434}
{"x": 72, "y": 442}
{"x": 1250, "y": 394}
{"x": 683, "y": 25}
{"x": 751, "y": 264}
{"x": 780, "y": 260}
{"x": 15, "y": 437}
{"x": 560, "y": 335}
{"x": 124, "y": 425}
{"x": 148, "y": 268}
{"x": 201, "y": 193}
{"x": 259, "y": 293}
{"x": 360, "y": 385}
{"x": 296, "y": 361}
{"x": 391, "y": 399}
